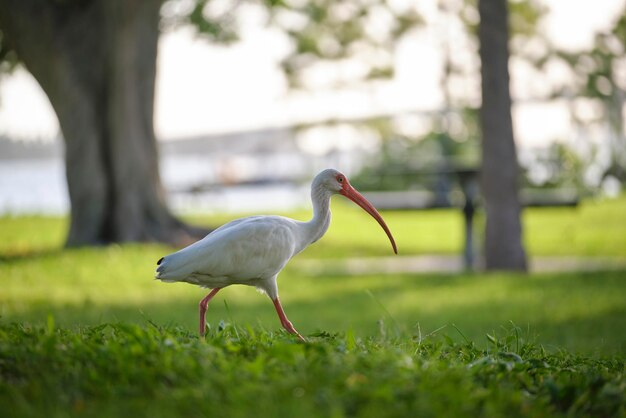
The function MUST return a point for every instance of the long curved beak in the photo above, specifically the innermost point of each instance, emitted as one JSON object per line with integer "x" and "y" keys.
{"x": 351, "y": 193}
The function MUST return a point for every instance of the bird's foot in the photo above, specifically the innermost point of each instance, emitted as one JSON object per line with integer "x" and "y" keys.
{"x": 286, "y": 323}
{"x": 290, "y": 329}
{"x": 297, "y": 334}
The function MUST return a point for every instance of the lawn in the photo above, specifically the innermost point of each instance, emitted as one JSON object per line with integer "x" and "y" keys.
{"x": 578, "y": 311}
{"x": 83, "y": 327}
{"x": 594, "y": 228}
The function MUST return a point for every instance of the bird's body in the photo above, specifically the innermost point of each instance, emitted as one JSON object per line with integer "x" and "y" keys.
{"x": 250, "y": 251}
{"x": 253, "y": 250}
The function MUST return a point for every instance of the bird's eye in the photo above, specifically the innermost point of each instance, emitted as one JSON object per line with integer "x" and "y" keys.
{"x": 340, "y": 179}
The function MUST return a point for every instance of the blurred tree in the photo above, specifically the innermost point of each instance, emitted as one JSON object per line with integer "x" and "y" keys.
{"x": 499, "y": 171}
{"x": 96, "y": 62}
{"x": 338, "y": 31}
{"x": 342, "y": 31}
{"x": 600, "y": 75}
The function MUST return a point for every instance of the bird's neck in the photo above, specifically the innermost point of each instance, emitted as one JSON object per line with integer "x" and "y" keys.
{"x": 318, "y": 226}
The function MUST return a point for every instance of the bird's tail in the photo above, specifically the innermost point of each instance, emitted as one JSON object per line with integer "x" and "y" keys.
{"x": 160, "y": 273}
{"x": 173, "y": 267}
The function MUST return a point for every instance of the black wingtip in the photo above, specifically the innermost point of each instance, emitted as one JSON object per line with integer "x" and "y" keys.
{"x": 159, "y": 262}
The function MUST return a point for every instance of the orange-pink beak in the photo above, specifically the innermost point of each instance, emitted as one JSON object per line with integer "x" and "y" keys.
{"x": 351, "y": 193}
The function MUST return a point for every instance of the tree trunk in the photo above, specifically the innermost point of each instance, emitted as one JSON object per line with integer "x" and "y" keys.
{"x": 96, "y": 61}
{"x": 499, "y": 177}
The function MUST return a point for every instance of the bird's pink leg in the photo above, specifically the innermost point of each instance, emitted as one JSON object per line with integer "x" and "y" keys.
{"x": 203, "y": 307}
{"x": 286, "y": 323}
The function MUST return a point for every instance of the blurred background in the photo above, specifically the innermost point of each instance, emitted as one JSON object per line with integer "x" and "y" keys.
{"x": 243, "y": 123}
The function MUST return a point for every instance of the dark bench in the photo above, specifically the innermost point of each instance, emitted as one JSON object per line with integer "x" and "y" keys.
{"x": 465, "y": 198}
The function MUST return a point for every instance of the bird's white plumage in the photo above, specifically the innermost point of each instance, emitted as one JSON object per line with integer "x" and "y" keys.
{"x": 246, "y": 251}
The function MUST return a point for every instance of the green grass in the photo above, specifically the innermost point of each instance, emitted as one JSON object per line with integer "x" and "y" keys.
{"x": 151, "y": 371}
{"x": 577, "y": 311}
{"x": 87, "y": 332}
{"x": 595, "y": 228}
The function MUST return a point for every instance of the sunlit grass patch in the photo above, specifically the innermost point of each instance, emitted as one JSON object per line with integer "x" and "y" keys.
{"x": 578, "y": 311}
{"x": 595, "y": 228}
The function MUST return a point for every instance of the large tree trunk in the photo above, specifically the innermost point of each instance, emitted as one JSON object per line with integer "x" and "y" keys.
{"x": 96, "y": 61}
{"x": 503, "y": 235}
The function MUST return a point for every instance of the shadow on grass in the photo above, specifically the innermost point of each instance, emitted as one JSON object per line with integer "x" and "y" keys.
{"x": 30, "y": 255}
{"x": 578, "y": 312}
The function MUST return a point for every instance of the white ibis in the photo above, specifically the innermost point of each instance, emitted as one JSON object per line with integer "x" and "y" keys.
{"x": 252, "y": 251}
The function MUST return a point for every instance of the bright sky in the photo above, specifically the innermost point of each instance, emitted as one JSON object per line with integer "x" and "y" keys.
{"x": 203, "y": 88}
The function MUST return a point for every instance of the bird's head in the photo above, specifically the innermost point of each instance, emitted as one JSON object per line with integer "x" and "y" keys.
{"x": 331, "y": 180}
{"x": 336, "y": 182}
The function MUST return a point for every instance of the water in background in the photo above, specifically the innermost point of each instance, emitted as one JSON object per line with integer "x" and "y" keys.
{"x": 33, "y": 187}
{"x": 263, "y": 170}
{"x": 38, "y": 186}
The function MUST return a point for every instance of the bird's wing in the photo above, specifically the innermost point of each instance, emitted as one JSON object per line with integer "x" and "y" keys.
{"x": 246, "y": 249}
{"x": 234, "y": 223}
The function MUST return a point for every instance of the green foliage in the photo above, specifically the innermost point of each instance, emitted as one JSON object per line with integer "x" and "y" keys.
{"x": 524, "y": 17}
{"x": 598, "y": 77}
{"x": 596, "y": 69}
{"x": 119, "y": 370}
{"x": 405, "y": 163}
{"x": 218, "y": 25}
{"x": 556, "y": 166}
{"x": 326, "y": 30}
{"x": 319, "y": 29}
